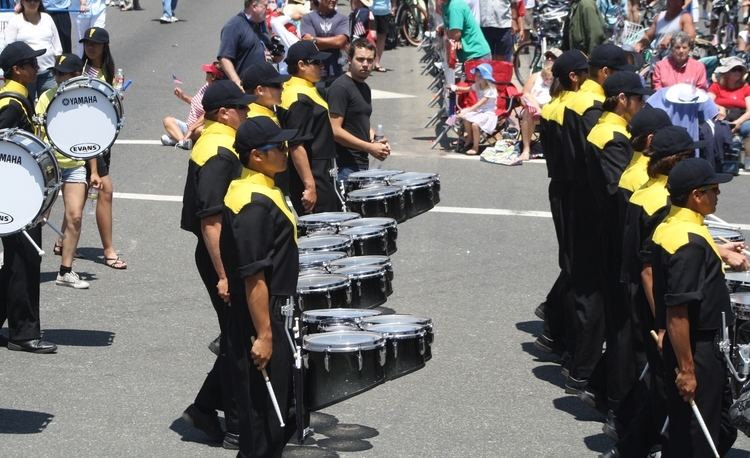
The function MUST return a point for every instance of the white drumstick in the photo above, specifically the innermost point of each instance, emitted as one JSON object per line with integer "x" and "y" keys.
{"x": 271, "y": 392}
{"x": 33, "y": 243}
{"x": 724, "y": 240}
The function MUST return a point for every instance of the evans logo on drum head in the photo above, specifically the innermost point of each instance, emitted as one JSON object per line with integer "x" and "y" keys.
{"x": 5, "y": 218}
{"x": 85, "y": 148}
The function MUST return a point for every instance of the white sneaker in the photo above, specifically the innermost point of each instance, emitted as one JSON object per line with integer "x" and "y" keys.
{"x": 166, "y": 140}
{"x": 165, "y": 19}
{"x": 72, "y": 280}
{"x": 173, "y": 19}
{"x": 185, "y": 144}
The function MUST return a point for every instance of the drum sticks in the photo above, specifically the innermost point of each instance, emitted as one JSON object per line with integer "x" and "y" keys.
{"x": 271, "y": 392}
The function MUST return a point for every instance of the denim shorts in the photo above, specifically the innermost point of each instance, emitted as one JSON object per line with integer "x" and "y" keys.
{"x": 182, "y": 125}
{"x": 74, "y": 175}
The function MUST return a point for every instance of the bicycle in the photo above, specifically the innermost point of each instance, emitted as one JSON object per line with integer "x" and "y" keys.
{"x": 725, "y": 16}
{"x": 411, "y": 21}
{"x": 529, "y": 55}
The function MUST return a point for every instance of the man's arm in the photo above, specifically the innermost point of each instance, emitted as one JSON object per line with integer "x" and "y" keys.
{"x": 647, "y": 279}
{"x": 678, "y": 329}
{"x": 302, "y": 165}
{"x": 227, "y": 66}
{"x": 344, "y": 138}
{"x": 211, "y": 231}
{"x": 256, "y": 295}
{"x": 335, "y": 42}
{"x": 686, "y": 21}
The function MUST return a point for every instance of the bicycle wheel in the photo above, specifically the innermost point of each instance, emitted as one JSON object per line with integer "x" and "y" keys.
{"x": 412, "y": 26}
{"x": 526, "y": 60}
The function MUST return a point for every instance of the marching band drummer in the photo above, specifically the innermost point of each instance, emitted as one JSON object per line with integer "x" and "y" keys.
{"x": 20, "y": 274}
{"x": 690, "y": 294}
{"x": 73, "y": 175}
{"x": 259, "y": 251}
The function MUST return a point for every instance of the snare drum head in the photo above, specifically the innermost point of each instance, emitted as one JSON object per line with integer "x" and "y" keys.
{"x": 326, "y": 218}
{"x": 742, "y": 278}
{"x": 322, "y": 242}
{"x": 22, "y": 185}
{"x": 375, "y": 221}
{"x": 369, "y": 260}
{"x": 317, "y": 282}
{"x": 398, "y": 319}
{"x": 740, "y": 298}
{"x": 339, "y": 314}
{"x": 360, "y": 271}
{"x": 396, "y": 330}
{"x": 412, "y": 183}
{"x": 343, "y": 341}
{"x": 373, "y": 174}
{"x": 729, "y": 234}
{"x": 363, "y": 232}
{"x": 319, "y": 258}
{"x": 374, "y": 193}
{"x": 414, "y": 176}
{"x": 81, "y": 121}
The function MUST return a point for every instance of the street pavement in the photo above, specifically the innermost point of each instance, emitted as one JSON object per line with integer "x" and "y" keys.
{"x": 132, "y": 348}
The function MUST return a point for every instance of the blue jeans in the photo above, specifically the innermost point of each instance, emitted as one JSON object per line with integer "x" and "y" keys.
{"x": 168, "y": 7}
{"x": 745, "y": 129}
{"x": 347, "y": 170}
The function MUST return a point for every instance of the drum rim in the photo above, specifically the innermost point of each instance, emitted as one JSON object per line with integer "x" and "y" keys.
{"x": 308, "y": 313}
{"x": 381, "y": 270}
{"x": 415, "y": 331}
{"x": 377, "y": 342}
{"x": 311, "y": 218}
{"x": 391, "y": 224}
{"x": 341, "y": 284}
{"x": 433, "y": 176}
{"x": 426, "y": 321}
{"x": 361, "y": 175}
{"x": 380, "y": 231}
{"x": 319, "y": 253}
{"x": 413, "y": 183}
{"x": 733, "y": 298}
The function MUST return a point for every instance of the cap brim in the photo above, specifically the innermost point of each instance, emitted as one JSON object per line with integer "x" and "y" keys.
{"x": 38, "y": 52}
{"x": 246, "y": 99}
{"x": 644, "y": 91}
{"x": 321, "y": 55}
{"x": 284, "y": 135}
{"x": 279, "y": 79}
{"x": 720, "y": 178}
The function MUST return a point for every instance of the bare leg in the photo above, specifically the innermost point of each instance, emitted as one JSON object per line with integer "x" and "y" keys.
{"x": 173, "y": 130}
{"x": 104, "y": 217}
{"x": 474, "y": 139}
{"x": 527, "y": 131}
{"x": 467, "y": 132}
{"x": 74, "y": 197}
{"x": 379, "y": 48}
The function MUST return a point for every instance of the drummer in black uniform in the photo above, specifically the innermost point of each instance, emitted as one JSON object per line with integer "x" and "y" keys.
{"x": 690, "y": 293}
{"x": 259, "y": 251}
{"x": 212, "y": 166}
{"x": 20, "y": 274}
{"x": 311, "y": 184}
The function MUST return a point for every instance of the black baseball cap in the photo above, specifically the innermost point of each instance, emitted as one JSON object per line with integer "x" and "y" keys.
{"x": 261, "y": 74}
{"x": 259, "y": 131}
{"x": 16, "y": 52}
{"x": 224, "y": 93}
{"x": 648, "y": 120}
{"x": 672, "y": 140}
{"x": 95, "y": 35}
{"x": 611, "y": 56}
{"x": 628, "y": 83}
{"x": 569, "y": 61}
{"x": 692, "y": 173}
{"x": 305, "y": 49}
{"x": 68, "y": 63}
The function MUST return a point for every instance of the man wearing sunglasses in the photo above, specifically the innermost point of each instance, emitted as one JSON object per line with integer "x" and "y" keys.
{"x": 20, "y": 274}
{"x": 690, "y": 295}
{"x": 213, "y": 165}
{"x": 265, "y": 82}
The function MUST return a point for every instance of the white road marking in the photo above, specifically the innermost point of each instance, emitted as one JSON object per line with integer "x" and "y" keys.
{"x": 382, "y": 95}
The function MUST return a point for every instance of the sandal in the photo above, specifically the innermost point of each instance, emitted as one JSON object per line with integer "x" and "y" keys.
{"x": 57, "y": 251}
{"x": 115, "y": 263}
{"x": 380, "y": 69}
{"x": 470, "y": 152}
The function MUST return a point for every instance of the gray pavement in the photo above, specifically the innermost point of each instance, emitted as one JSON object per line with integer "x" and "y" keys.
{"x": 133, "y": 348}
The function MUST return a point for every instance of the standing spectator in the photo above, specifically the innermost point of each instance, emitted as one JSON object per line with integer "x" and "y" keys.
{"x": 37, "y": 29}
{"x": 679, "y": 67}
{"x": 361, "y": 19}
{"x": 584, "y": 27}
{"x": 93, "y": 14}
{"x": 383, "y": 10}
{"x": 464, "y": 31}
{"x": 496, "y": 24}
{"x": 350, "y": 105}
{"x": 475, "y": 7}
{"x": 329, "y": 31}
{"x": 243, "y": 40}
{"x": 184, "y": 133}
{"x": 168, "y": 7}
{"x": 58, "y": 11}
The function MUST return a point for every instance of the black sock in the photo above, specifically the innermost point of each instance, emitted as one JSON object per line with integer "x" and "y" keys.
{"x": 64, "y": 270}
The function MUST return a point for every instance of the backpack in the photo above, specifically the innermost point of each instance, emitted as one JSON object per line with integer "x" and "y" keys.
{"x": 391, "y": 37}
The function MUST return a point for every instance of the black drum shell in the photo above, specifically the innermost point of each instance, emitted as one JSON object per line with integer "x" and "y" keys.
{"x": 364, "y": 244}
{"x": 336, "y": 243}
{"x": 340, "y": 297}
{"x": 349, "y": 261}
{"x": 343, "y": 380}
{"x": 390, "y": 224}
{"x": 419, "y": 196}
{"x": 425, "y": 323}
{"x": 405, "y": 355}
{"x": 368, "y": 291}
{"x": 390, "y": 206}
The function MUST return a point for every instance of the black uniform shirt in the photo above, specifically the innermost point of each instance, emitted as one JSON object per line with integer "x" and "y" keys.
{"x": 259, "y": 233}
{"x": 610, "y": 151}
{"x": 581, "y": 114}
{"x": 16, "y": 111}
{"x": 308, "y": 113}
{"x": 688, "y": 271}
{"x": 352, "y": 100}
{"x": 212, "y": 166}
{"x": 551, "y": 135}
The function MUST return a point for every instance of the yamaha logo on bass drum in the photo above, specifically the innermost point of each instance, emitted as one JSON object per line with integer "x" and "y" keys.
{"x": 79, "y": 100}
{"x": 10, "y": 158}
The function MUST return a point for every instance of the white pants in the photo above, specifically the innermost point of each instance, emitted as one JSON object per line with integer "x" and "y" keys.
{"x": 84, "y": 22}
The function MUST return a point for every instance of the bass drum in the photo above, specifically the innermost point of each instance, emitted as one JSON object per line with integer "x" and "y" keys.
{"x": 29, "y": 180}
{"x": 89, "y": 102}
{"x": 339, "y": 365}
{"x": 390, "y": 224}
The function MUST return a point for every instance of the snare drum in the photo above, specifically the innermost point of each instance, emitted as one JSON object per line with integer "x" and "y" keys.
{"x": 318, "y": 259}
{"x": 317, "y": 243}
{"x": 378, "y": 201}
{"x": 406, "y": 347}
{"x": 728, "y": 234}
{"x": 738, "y": 281}
{"x": 741, "y": 305}
{"x": 367, "y": 178}
{"x": 367, "y": 240}
{"x": 389, "y": 224}
{"x": 323, "y": 291}
{"x": 424, "y": 322}
{"x": 339, "y": 365}
{"x": 29, "y": 180}
{"x": 314, "y": 320}
{"x": 83, "y": 118}
{"x": 369, "y": 284}
{"x": 310, "y": 224}
{"x": 382, "y": 261}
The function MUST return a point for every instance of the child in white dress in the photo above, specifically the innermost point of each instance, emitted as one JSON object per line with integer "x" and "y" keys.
{"x": 482, "y": 115}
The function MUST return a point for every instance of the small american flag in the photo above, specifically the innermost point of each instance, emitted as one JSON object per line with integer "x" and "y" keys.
{"x": 176, "y": 80}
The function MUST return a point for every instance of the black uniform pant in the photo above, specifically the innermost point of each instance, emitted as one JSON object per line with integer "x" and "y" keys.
{"x": 216, "y": 392}
{"x": 62, "y": 23}
{"x": 712, "y": 397}
{"x": 19, "y": 285}
{"x": 325, "y": 188}
{"x": 261, "y": 435}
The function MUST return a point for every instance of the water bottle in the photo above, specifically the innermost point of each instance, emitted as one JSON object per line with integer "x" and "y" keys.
{"x": 119, "y": 79}
{"x": 93, "y": 196}
{"x": 379, "y": 135}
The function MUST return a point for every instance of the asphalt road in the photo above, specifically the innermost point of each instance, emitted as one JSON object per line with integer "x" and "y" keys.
{"x": 133, "y": 347}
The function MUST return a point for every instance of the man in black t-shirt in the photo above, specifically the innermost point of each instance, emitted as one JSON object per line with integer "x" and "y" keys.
{"x": 350, "y": 107}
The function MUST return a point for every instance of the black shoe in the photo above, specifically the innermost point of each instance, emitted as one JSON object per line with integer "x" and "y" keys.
{"x": 214, "y": 346}
{"x": 231, "y": 441}
{"x": 611, "y": 454}
{"x": 539, "y": 311}
{"x": 545, "y": 344}
{"x": 32, "y": 346}
{"x": 206, "y": 422}
{"x": 609, "y": 428}
{"x": 580, "y": 389}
